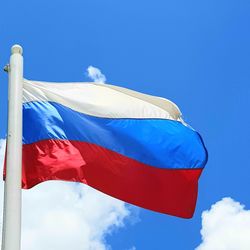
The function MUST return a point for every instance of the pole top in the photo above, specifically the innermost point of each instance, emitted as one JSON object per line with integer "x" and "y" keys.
{"x": 16, "y": 49}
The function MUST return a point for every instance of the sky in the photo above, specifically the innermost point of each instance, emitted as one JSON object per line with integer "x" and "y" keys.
{"x": 195, "y": 53}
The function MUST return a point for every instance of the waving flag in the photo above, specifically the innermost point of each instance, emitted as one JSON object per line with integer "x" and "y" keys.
{"x": 129, "y": 145}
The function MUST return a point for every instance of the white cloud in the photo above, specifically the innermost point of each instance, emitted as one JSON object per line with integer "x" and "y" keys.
{"x": 226, "y": 226}
{"x": 132, "y": 248}
{"x": 96, "y": 75}
{"x": 59, "y": 215}
{"x": 63, "y": 215}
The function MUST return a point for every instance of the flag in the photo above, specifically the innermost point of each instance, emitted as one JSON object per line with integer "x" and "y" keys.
{"x": 129, "y": 145}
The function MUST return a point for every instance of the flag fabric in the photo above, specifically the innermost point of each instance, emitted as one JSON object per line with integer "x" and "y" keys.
{"x": 129, "y": 145}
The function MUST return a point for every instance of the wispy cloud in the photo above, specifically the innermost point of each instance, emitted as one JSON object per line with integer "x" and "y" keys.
{"x": 225, "y": 226}
{"x": 96, "y": 75}
{"x": 132, "y": 248}
{"x": 62, "y": 215}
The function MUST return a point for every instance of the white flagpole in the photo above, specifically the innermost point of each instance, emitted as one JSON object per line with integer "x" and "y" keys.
{"x": 11, "y": 239}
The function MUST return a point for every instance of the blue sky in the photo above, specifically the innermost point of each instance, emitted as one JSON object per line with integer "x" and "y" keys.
{"x": 195, "y": 53}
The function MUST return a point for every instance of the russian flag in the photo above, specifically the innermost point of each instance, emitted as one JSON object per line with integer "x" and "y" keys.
{"x": 129, "y": 145}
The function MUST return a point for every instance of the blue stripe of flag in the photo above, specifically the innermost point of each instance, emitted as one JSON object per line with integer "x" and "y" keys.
{"x": 156, "y": 142}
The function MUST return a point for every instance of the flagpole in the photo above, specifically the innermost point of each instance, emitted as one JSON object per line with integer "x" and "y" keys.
{"x": 11, "y": 236}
